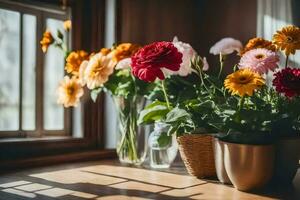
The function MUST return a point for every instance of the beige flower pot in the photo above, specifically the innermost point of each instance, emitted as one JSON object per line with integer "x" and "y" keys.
{"x": 249, "y": 167}
{"x": 219, "y": 161}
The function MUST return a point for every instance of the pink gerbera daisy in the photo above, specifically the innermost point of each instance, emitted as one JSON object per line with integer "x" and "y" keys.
{"x": 259, "y": 60}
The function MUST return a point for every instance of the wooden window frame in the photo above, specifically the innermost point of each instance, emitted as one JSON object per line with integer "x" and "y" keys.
{"x": 84, "y": 13}
{"x": 41, "y": 16}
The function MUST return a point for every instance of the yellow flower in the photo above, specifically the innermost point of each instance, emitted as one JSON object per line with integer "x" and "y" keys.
{"x": 125, "y": 50}
{"x": 46, "y": 41}
{"x": 74, "y": 61}
{"x": 256, "y": 43}
{"x": 287, "y": 39}
{"x": 67, "y": 25}
{"x": 99, "y": 68}
{"x": 243, "y": 82}
{"x": 69, "y": 92}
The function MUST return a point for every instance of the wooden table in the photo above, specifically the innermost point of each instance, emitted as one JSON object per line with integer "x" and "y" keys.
{"x": 110, "y": 180}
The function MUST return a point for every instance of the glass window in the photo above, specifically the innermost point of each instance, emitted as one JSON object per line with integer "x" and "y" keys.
{"x": 28, "y": 74}
{"x": 10, "y": 69}
{"x": 53, "y": 74}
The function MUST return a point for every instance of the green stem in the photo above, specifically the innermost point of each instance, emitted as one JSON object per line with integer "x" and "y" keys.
{"x": 241, "y": 104}
{"x": 287, "y": 61}
{"x": 165, "y": 93}
{"x": 200, "y": 74}
{"x": 133, "y": 129}
{"x": 221, "y": 64}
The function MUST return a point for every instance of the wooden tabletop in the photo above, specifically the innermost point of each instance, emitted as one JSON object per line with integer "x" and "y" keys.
{"x": 110, "y": 180}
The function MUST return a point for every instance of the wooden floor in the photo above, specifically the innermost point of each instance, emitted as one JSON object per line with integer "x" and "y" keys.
{"x": 109, "y": 180}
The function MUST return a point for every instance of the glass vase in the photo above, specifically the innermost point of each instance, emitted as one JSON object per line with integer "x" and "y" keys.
{"x": 162, "y": 154}
{"x": 131, "y": 138}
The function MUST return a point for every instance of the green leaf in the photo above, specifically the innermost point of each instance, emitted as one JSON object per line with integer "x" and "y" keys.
{"x": 95, "y": 92}
{"x": 177, "y": 114}
{"x": 153, "y": 112}
{"x": 164, "y": 140}
{"x": 60, "y": 35}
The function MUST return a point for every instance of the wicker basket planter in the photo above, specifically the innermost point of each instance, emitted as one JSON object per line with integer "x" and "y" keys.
{"x": 196, "y": 151}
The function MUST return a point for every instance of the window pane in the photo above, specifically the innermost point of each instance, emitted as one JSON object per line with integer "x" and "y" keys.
{"x": 29, "y": 65}
{"x": 10, "y": 69}
{"x": 54, "y": 72}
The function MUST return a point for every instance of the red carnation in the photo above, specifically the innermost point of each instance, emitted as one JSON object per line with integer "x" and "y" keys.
{"x": 147, "y": 63}
{"x": 287, "y": 81}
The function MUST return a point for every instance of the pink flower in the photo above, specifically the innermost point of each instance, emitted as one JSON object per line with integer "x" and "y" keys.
{"x": 226, "y": 46}
{"x": 188, "y": 54}
{"x": 259, "y": 60}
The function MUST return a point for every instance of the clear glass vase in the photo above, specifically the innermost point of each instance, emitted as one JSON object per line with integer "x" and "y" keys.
{"x": 131, "y": 138}
{"x": 162, "y": 153}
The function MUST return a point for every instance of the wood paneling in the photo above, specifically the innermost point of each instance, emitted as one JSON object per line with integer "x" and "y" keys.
{"x": 199, "y": 22}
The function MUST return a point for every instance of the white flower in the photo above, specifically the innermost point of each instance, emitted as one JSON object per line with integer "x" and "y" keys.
{"x": 226, "y": 46}
{"x": 124, "y": 64}
{"x": 98, "y": 70}
{"x": 205, "y": 64}
{"x": 188, "y": 54}
{"x": 82, "y": 69}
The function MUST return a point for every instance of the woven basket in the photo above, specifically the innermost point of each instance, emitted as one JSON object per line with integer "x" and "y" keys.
{"x": 197, "y": 154}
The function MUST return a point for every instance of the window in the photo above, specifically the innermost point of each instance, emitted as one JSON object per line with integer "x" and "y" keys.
{"x": 28, "y": 78}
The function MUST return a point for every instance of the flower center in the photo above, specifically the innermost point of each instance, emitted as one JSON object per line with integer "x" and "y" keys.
{"x": 70, "y": 90}
{"x": 243, "y": 79}
{"x": 259, "y": 56}
{"x": 289, "y": 39}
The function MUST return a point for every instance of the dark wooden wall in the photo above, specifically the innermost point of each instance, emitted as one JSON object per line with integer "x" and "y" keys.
{"x": 199, "y": 22}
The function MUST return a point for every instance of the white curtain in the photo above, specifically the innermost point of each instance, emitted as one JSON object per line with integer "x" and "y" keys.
{"x": 272, "y": 15}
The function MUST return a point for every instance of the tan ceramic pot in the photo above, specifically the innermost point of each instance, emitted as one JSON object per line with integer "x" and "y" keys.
{"x": 219, "y": 161}
{"x": 249, "y": 167}
{"x": 286, "y": 160}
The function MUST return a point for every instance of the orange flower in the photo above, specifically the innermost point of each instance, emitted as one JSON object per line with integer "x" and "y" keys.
{"x": 46, "y": 41}
{"x": 288, "y": 39}
{"x": 67, "y": 25}
{"x": 243, "y": 82}
{"x": 256, "y": 43}
{"x": 74, "y": 61}
{"x": 69, "y": 92}
{"x": 125, "y": 50}
{"x": 105, "y": 51}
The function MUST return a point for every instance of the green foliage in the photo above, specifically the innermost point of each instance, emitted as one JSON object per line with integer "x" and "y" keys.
{"x": 164, "y": 140}
{"x": 156, "y": 111}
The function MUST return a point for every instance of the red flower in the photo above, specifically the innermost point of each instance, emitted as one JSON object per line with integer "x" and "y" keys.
{"x": 148, "y": 62}
{"x": 287, "y": 81}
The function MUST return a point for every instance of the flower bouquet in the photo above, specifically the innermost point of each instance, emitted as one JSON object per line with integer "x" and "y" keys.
{"x": 107, "y": 70}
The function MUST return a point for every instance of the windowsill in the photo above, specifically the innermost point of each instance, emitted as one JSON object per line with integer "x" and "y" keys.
{"x": 88, "y": 155}
{"x": 33, "y": 139}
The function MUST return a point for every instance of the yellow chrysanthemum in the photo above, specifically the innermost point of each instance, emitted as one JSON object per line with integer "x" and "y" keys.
{"x": 67, "y": 25}
{"x": 125, "y": 50}
{"x": 243, "y": 82}
{"x": 74, "y": 61}
{"x": 69, "y": 92}
{"x": 46, "y": 41}
{"x": 287, "y": 39}
{"x": 256, "y": 43}
{"x": 98, "y": 69}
